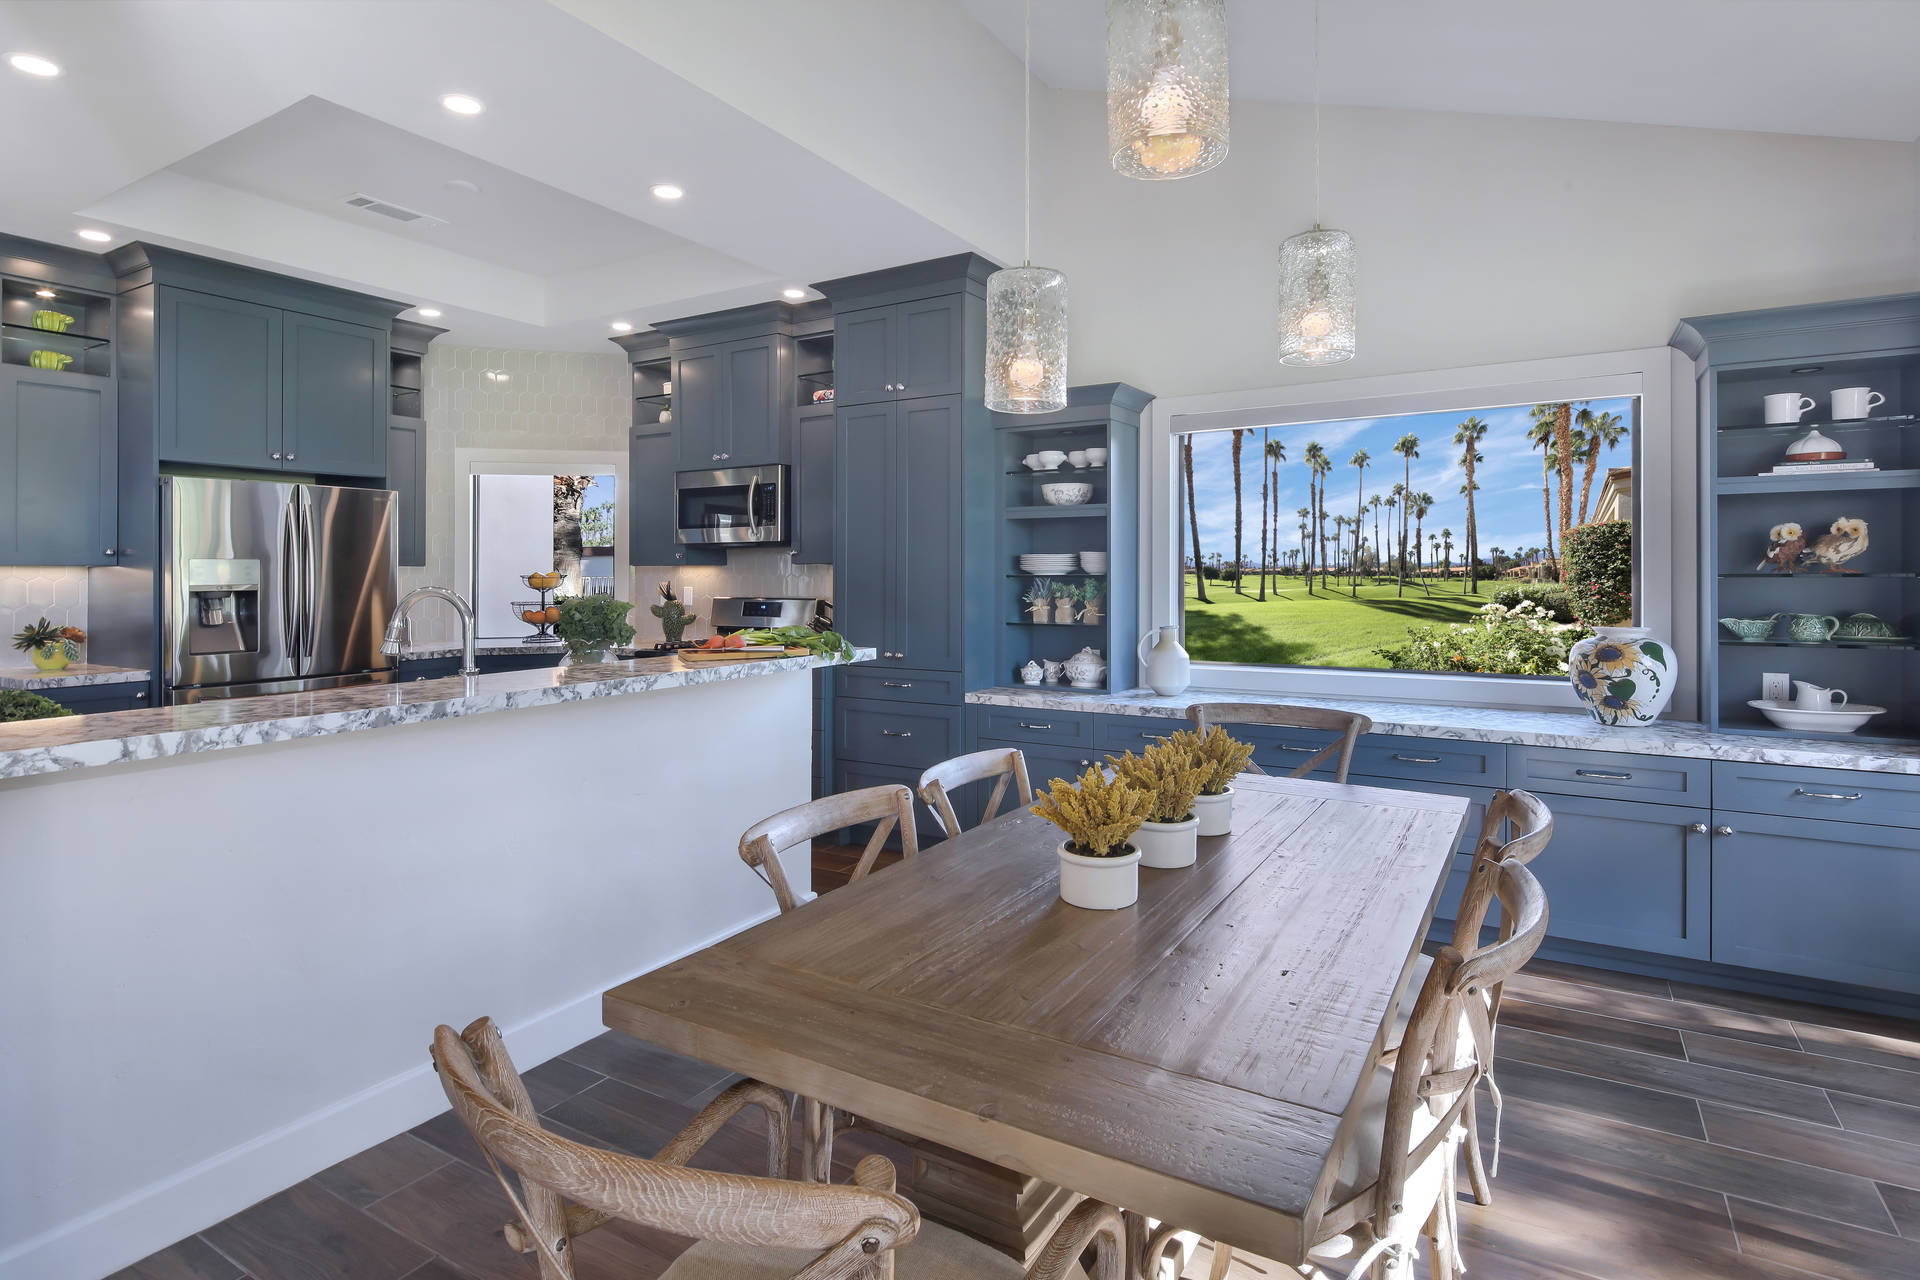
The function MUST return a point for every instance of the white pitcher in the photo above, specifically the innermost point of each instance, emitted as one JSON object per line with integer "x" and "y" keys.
{"x": 1165, "y": 666}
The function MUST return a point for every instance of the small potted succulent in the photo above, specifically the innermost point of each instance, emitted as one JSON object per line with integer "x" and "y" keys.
{"x": 50, "y": 647}
{"x": 591, "y": 626}
{"x": 1039, "y": 599}
{"x": 1065, "y": 597}
{"x": 1223, "y": 756}
{"x": 1099, "y": 866}
{"x": 1173, "y": 778}
{"x": 1090, "y": 594}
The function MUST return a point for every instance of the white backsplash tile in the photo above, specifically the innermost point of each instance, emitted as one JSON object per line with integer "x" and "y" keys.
{"x": 27, "y": 595}
{"x": 762, "y": 571}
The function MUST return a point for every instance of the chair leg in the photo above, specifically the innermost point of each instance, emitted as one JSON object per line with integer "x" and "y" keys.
{"x": 1476, "y": 1168}
{"x": 816, "y": 1135}
{"x": 1222, "y": 1261}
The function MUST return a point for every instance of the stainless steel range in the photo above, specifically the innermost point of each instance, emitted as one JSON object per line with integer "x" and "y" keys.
{"x": 739, "y": 613}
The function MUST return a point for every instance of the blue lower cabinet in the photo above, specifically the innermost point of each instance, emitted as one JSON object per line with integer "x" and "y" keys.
{"x": 850, "y": 775}
{"x": 1612, "y": 774}
{"x": 1818, "y": 899}
{"x": 1836, "y": 795}
{"x": 90, "y": 699}
{"x": 1636, "y": 876}
{"x": 905, "y": 734}
{"x": 489, "y": 664}
{"x": 1430, "y": 760}
{"x": 871, "y": 681}
{"x": 1023, "y": 725}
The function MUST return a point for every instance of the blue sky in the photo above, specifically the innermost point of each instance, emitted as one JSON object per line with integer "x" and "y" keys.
{"x": 1507, "y": 502}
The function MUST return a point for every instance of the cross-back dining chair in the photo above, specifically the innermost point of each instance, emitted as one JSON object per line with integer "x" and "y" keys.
{"x": 886, "y": 807}
{"x": 1348, "y": 724}
{"x": 745, "y": 1226}
{"x": 1005, "y": 765}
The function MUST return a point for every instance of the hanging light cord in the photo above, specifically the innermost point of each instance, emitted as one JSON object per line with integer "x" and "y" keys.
{"x": 1026, "y": 140}
{"x": 1316, "y": 113}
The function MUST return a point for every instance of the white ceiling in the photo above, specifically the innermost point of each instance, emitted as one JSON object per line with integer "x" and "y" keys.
{"x": 1835, "y": 68}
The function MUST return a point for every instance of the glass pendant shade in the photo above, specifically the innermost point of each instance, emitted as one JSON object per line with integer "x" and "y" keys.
{"x": 1317, "y": 298}
{"x": 1166, "y": 86}
{"x": 1026, "y": 340}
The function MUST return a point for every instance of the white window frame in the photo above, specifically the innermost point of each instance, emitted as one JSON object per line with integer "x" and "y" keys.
{"x": 468, "y": 463}
{"x": 1664, "y": 465}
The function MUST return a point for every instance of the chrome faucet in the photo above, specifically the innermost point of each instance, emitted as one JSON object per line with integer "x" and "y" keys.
{"x": 396, "y": 626}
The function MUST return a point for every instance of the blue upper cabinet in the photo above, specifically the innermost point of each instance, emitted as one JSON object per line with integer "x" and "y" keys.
{"x": 813, "y": 486}
{"x": 757, "y": 411}
{"x": 334, "y": 378}
{"x": 58, "y": 451}
{"x": 863, "y": 358}
{"x": 909, "y": 350}
{"x": 699, "y": 409}
{"x": 219, "y": 376}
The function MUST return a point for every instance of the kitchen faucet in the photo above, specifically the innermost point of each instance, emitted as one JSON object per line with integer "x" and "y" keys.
{"x": 397, "y": 624}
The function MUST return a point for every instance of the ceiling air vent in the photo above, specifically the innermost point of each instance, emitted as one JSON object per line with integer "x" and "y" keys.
{"x": 388, "y": 209}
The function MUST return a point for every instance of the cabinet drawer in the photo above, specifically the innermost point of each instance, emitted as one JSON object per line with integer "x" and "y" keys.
{"x": 1614, "y": 774}
{"x": 1024, "y": 725}
{"x": 1430, "y": 760}
{"x": 1795, "y": 792}
{"x": 1130, "y": 733}
{"x": 905, "y": 686}
{"x": 908, "y": 734}
{"x": 92, "y": 699}
{"x": 1045, "y": 763}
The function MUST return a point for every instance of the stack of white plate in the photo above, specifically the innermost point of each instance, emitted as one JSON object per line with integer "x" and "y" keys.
{"x": 1842, "y": 719}
{"x": 1049, "y": 562}
{"x": 1093, "y": 561}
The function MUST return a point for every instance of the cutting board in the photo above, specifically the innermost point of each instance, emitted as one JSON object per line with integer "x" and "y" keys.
{"x": 760, "y": 652}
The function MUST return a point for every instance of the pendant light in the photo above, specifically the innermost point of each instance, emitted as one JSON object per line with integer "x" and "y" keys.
{"x": 1027, "y": 307}
{"x": 1166, "y": 87}
{"x": 1317, "y": 272}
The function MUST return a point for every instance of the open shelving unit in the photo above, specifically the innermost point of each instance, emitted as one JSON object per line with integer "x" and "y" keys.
{"x": 1106, "y": 416}
{"x": 653, "y": 388}
{"x": 87, "y": 342}
{"x": 1811, "y": 350}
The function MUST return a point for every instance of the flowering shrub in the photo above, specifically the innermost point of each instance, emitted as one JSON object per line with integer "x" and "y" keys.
{"x": 1519, "y": 641}
{"x": 1599, "y": 560}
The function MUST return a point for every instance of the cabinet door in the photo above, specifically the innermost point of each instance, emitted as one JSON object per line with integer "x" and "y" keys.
{"x": 407, "y": 476}
{"x": 754, "y": 409}
{"x": 930, "y": 611}
{"x": 863, "y": 343}
{"x": 699, "y": 409}
{"x": 58, "y": 467}
{"x": 219, "y": 375}
{"x": 335, "y": 419}
{"x": 864, "y": 553}
{"x": 1628, "y": 875}
{"x": 651, "y": 513}
{"x": 927, "y": 335}
{"x": 813, "y": 489}
{"x": 1827, "y": 900}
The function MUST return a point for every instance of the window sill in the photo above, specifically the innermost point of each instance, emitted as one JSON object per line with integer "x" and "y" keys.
{"x": 1517, "y": 693}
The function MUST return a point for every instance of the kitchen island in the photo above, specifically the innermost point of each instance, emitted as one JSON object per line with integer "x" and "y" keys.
{"x": 229, "y": 929}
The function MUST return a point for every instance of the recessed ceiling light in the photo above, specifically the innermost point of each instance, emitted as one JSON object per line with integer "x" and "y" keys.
{"x": 33, "y": 64}
{"x": 667, "y": 191}
{"x": 621, "y": 326}
{"x": 462, "y": 104}
{"x": 793, "y": 293}
{"x": 431, "y": 313}
{"x": 45, "y": 293}
{"x": 95, "y": 235}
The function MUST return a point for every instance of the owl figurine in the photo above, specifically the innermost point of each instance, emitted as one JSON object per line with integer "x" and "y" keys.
{"x": 1785, "y": 542}
{"x": 1846, "y": 539}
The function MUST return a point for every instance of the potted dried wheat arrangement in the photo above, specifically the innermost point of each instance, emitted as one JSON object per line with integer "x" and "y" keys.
{"x": 1099, "y": 866}
{"x": 1173, "y": 778}
{"x": 1223, "y": 755}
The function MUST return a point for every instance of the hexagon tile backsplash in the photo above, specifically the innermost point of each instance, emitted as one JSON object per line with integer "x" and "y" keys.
{"x": 27, "y": 595}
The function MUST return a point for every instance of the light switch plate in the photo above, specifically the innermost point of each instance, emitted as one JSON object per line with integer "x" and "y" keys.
{"x": 1774, "y": 686}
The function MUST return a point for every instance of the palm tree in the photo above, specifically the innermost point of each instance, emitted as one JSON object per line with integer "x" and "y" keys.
{"x": 1374, "y": 502}
{"x": 1601, "y": 432}
{"x": 1408, "y": 447}
{"x": 1392, "y": 503}
{"x": 1446, "y": 537}
{"x": 1193, "y": 521}
{"x": 1561, "y": 414}
{"x": 1305, "y": 577}
{"x": 1400, "y": 494}
{"x": 1469, "y": 434}
{"x": 1316, "y": 460}
{"x": 1359, "y": 462}
{"x": 1419, "y": 504}
{"x": 1433, "y": 541}
{"x": 1274, "y": 452}
{"x": 1540, "y": 434}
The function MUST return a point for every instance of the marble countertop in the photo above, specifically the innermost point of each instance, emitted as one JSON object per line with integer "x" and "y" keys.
{"x": 482, "y": 649}
{"x": 73, "y": 677}
{"x": 1571, "y": 729}
{"x": 79, "y": 742}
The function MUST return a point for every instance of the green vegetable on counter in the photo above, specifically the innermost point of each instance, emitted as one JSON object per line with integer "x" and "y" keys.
{"x": 18, "y": 704}
{"x": 825, "y": 644}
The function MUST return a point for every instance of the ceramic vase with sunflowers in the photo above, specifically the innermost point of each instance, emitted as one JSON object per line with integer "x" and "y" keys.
{"x": 1622, "y": 675}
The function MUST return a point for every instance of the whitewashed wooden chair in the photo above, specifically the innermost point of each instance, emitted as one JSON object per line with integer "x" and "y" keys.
{"x": 886, "y": 807}
{"x": 1006, "y": 765}
{"x": 745, "y": 1227}
{"x": 1348, "y": 724}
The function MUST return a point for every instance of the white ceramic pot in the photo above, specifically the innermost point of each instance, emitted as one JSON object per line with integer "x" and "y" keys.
{"x": 1215, "y": 813}
{"x": 1622, "y": 675}
{"x": 1166, "y": 666}
{"x": 1099, "y": 884}
{"x": 1168, "y": 844}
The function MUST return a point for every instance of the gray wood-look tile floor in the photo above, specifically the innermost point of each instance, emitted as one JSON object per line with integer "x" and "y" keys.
{"x": 1652, "y": 1131}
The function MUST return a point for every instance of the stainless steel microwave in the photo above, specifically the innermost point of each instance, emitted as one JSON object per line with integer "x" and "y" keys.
{"x": 733, "y": 505}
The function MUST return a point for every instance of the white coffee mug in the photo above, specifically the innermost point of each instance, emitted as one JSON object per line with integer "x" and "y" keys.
{"x": 1787, "y": 406}
{"x": 1811, "y": 697}
{"x": 1855, "y": 402}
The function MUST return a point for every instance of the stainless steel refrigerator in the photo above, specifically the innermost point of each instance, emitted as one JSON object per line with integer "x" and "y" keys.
{"x": 273, "y": 588}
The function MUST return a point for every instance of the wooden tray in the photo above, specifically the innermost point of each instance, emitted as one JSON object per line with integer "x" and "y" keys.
{"x": 761, "y": 652}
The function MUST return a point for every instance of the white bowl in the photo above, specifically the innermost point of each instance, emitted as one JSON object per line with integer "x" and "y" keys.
{"x": 1093, "y": 561}
{"x": 1841, "y": 720}
{"x": 1096, "y": 457}
{"x": 1066, "y": 495}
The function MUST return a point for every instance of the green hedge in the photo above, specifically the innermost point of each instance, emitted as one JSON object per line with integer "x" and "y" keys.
{"x": 1599, "y": 560}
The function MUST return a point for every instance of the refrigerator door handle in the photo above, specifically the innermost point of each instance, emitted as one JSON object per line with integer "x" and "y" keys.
{"x": 290, "y": 616}
{"x": 309, "y": 581}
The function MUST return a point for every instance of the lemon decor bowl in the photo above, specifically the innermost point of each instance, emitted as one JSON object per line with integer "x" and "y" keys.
{"x": 54, "y": 360}
{"x": 51, "y": 321}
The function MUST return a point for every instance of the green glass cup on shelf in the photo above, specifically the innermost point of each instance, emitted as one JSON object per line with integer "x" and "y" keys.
{"x": 51, "y": 321}
{"x": 57, "y": 361}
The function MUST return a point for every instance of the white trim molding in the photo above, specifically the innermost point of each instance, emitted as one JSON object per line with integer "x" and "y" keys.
{"x": 1665, "y": 531}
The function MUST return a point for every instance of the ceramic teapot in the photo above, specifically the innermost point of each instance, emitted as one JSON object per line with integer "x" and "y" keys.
{"x": 1086, "y": 669}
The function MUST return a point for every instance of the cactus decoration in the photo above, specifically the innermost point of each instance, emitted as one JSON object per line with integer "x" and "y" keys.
{"x": 673, "y": 615}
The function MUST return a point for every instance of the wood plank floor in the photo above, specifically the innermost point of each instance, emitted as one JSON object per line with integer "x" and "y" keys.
{"x": 1652, "y": 1131}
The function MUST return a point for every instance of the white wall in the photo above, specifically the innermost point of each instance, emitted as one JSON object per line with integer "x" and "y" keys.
{"x": 1482, "y": 239}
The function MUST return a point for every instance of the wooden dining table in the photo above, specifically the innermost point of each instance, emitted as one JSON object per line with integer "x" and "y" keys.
{"x": 1193, "y": 1057}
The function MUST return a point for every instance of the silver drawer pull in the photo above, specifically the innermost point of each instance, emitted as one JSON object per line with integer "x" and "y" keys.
{"x": 1412, "y": 759}
{"x": 1025, "y": 725}
{"x": 896, "y": 684}
{"x": 896, "y": 733}
{"x": 1302, "y": 750}
{"x": 1602, "y": 774}
{"x": 1153, "y": 737}
{"x": 1698, "y": 828}
{"x": 1828, "y": 795}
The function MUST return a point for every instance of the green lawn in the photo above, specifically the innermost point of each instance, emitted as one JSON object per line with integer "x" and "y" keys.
{"x": 1325, "y": 629}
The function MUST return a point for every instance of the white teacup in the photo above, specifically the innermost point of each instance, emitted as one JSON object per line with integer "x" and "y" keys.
{"x": 1855, "y": 402}
{"x": 1031, "y": 462}
{"x": 1048, "y": 459}
{"x": 1787, "y": 406}
{"x": 1078, "y": 457}
{"x": 1096, "y": 457}
{"x": 1811, "y": 697}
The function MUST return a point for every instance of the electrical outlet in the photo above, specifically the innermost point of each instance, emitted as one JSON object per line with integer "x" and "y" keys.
{"x": 1774, "y": 686}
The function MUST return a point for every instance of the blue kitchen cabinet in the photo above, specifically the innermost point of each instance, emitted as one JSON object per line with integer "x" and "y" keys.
{"x": 853, "y": 775}
{"x": 59, "y": 449}
{"x": 865, "y": 558}
{"x": 407, "y": 477}
{"x": 91, "y": 699}
{"x": 812, "y": 491}
{"x": 909, "y": 350}
{"x": 699, "y": 409}
{"x": 652, "y": 516}
{"x": 730, "y": 403}
{"x": 334, "y": 381}
{"x": 219, "y": 377}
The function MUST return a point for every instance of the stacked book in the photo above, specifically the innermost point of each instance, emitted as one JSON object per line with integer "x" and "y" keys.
{"x": 1822, "y": 468}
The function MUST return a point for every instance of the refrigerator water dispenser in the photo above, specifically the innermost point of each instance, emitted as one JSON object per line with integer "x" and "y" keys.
{"x": 226, "y": 606}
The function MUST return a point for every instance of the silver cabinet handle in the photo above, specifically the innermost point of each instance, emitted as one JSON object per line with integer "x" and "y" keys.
{"x": 1025, "y": 725}
{"x": 1086, "y": 764}
{"x": 276, "y": 457}
{"x": 140, "y": 695}
{"x": 1723, "y": 831}
{"x": 290, "y": 457}
{"x": 1153, "y": 737}
{"x": 901, "y": 387}
{"x": 1698, "y": 828}
{"x": 897, "y": 733}
{"x": 107, "y": 552}
{"x": 1828, "y": 795}
{"x": 1602, "y": 774}
{"x": 1302, "y": 750}
{"x": 896, "y": 684}
{"x": 889, "y": 386}
{"x": 1413, "y": 759}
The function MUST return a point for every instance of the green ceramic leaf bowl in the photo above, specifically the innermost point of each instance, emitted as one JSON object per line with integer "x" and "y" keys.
{"x": 54, "y": 360}
{"x": 1751, "y": 628}
{"x": 51, "y": 321}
